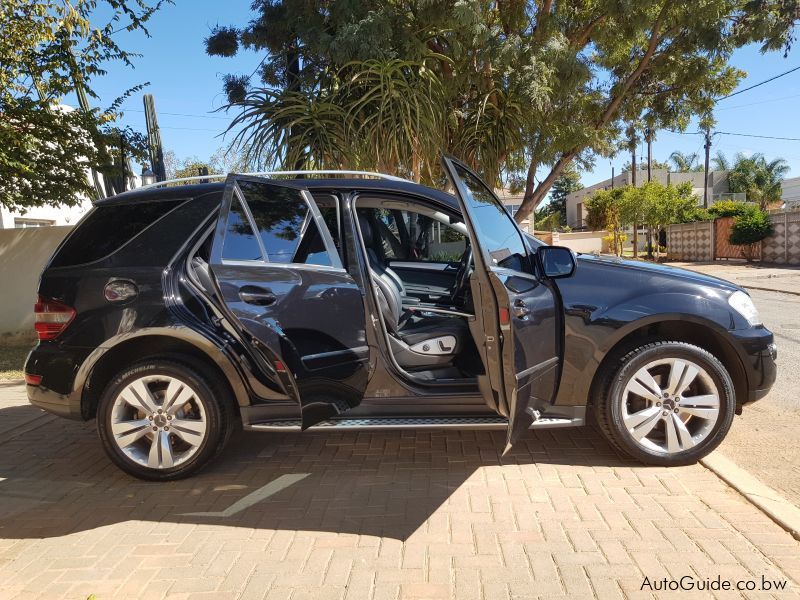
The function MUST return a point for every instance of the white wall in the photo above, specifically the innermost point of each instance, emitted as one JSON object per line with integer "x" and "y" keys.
{"x": 791, "y": 190}
{"x": 23, "y": 253}
{"x": 57, "y": 215}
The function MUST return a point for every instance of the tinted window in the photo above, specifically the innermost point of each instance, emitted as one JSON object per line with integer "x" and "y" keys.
{"x": 107, "y": 228}
{"x": 240, "y": 241}
{"x": 285, "y": 224}
{"x": 496, "y": 230}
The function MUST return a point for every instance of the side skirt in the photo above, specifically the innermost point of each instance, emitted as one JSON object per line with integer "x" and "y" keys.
{"x": 393, "y": 423}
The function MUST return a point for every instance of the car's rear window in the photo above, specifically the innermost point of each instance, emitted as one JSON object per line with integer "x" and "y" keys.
{"x": 107, "y": 228}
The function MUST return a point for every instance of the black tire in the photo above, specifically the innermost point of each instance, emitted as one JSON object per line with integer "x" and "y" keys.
{"x": 618, "y": 370}
{"x": 209, "y": 392}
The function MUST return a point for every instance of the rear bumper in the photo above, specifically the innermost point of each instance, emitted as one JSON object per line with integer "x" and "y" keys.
{"x": 58, "y": 368}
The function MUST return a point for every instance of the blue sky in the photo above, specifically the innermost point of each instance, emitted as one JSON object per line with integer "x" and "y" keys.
{"x": 187, "y": 87}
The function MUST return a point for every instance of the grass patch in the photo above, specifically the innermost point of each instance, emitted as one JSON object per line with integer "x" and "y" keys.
{"x": 12, "y": 359}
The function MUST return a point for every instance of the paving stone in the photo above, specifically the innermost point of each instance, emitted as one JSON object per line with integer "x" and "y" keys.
{"x": 381, "y": 515}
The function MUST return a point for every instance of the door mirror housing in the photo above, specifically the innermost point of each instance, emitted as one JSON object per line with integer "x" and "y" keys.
{"x": 557, "y": 262}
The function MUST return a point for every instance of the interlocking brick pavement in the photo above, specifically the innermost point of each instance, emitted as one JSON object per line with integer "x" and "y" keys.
{"x": 418, "y": 515}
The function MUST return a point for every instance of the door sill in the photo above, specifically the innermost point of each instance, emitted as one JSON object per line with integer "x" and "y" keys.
{"x": 390, "y": 423}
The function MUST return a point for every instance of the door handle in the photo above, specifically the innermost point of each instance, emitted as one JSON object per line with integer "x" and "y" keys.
{"x": 520, "y": 309}
{"x": 256, "y": 295}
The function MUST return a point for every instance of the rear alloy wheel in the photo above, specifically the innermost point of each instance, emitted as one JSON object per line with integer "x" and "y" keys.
{"x": 160, "y": 420}
{"x": 666, "y": 403}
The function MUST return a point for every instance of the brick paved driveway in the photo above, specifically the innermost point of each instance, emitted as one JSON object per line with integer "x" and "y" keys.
{"x": 379, "y": 515}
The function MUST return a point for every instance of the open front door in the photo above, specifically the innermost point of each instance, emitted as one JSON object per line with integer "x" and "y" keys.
{"x": 284, "y": 289}
{"x": 518, "y": 314}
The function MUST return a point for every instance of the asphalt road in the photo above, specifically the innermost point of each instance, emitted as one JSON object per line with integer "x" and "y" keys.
{"x": 765, "y": 439}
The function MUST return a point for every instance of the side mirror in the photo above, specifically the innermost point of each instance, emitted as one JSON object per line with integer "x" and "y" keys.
{"x": 556, "y": 262}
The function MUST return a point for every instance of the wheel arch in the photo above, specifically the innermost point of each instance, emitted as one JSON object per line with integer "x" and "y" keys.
{"x": 696, "y": 331}
{"x": 174, "y": 344}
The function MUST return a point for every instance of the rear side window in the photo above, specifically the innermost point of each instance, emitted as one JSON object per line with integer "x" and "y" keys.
{"x": 240, "y": 240}
{"x": 283, "y": 222}
{"x": 107, "y": 228}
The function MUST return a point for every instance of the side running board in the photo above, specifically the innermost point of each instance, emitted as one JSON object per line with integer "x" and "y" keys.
{"x": 384, "y": 423}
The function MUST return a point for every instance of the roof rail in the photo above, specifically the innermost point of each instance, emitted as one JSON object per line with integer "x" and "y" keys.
{"x": 270, "y": 174}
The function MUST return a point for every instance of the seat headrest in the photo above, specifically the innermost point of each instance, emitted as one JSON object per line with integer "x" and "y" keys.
{"x": 366, "y": 230}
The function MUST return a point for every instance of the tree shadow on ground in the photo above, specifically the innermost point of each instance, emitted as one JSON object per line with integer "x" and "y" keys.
{"x": 55, "y": 478}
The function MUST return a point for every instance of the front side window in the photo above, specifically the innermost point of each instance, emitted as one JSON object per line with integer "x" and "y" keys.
{"x": 495, "y": 228}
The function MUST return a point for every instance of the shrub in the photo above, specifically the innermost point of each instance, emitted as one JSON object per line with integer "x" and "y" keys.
{"x": 728, "y": 208}
{"x": 750, "y": 227}
{"x": 693, "y": 214}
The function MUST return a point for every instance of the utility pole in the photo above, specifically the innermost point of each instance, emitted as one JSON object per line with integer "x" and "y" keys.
{"x": 83, "y": 102}
{"x": 707, "y": 146}
{"x": 154, "y": 139}
{"x": 612, "y": 177}
{"x": 632, "y": 142}
{"x": 649, "y": 137}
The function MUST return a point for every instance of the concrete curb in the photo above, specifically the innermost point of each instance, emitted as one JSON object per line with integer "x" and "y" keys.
{"x": 766, "y": 289}
{"x": 770, "y": 502}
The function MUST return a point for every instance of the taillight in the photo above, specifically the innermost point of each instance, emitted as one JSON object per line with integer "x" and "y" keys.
{"x": 51, "y": 317}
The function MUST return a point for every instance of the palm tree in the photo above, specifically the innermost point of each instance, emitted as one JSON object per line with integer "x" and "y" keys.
{"x": 759, "y": 179}
{"x": 720, "y": 162}
{"x": 683, "y": 162}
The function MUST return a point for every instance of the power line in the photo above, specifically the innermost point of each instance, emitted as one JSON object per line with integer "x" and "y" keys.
{"x": 756, "y": 103}
{"x": 765, "y": 137}
{"x": 779, "y": 75}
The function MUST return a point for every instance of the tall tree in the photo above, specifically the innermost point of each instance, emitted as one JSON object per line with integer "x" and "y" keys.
{"x": 759, "y": 178}
{"x": 720, "y": 162}
{"x": 684, "y": 162}
{"x": 49, "y": 49}
{"x": 522, "y": 88}
{"x": 568, "y": 182}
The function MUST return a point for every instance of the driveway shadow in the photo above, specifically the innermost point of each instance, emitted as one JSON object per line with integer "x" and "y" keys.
{"x": 55, "y": 478}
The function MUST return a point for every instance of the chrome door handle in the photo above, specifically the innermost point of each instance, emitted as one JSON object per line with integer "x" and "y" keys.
{"x": 257, "y": 295}
{"x": 520, "y": 309}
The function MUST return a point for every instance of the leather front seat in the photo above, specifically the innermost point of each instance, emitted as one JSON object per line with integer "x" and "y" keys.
{"x": 424, "y": 341}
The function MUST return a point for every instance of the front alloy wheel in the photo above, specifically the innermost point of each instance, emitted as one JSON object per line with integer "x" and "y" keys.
{"x": 666, "y": 403}
{"x": 161, "y": 420}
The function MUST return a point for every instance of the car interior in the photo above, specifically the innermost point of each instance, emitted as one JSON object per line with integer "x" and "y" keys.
{"x": 420, "y": 261}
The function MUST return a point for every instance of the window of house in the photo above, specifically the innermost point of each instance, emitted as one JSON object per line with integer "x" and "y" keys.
{"x": 24, "y": 223}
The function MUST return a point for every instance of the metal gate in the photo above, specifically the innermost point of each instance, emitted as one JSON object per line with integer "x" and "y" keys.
{"x": 724, "y": 249}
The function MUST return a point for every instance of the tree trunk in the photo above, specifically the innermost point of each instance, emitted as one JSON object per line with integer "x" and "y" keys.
{"x": 533, "y": 196}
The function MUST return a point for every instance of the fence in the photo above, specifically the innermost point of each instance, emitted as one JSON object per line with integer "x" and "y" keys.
{"x": 579, "y": 241}
{"x": 691, "y": 241}
{"x": 23, "y": 253}
{"x": 708, "y": 240}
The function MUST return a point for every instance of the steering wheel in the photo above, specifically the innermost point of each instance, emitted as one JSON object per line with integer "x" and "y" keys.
{"x": 462, "y": 275}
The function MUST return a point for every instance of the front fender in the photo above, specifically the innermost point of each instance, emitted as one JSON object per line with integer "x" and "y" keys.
{"x": 591, "y": 332}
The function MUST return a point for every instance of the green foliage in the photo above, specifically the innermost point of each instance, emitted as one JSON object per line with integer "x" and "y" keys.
{"x": 758, "y": 178}
{"x": 750, "y": 227}
{"x": 551, "y": 222}
{"x": 693, "y": 214}
{"x": 653, "y": 205}
{"x": 683, "y": 163}
{"x": 517, "y": 87}
{"x": 569, "y": 181}
{"x": 47, "y": 49}
{"x": 728, "y": 208}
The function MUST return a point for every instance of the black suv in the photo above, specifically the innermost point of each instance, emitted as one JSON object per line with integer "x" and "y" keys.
{"x": 172, "y": 313}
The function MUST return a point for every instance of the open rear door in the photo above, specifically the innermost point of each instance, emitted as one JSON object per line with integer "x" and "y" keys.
{"x": 518, "y": 315}
{"x": 284, "y": 288}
